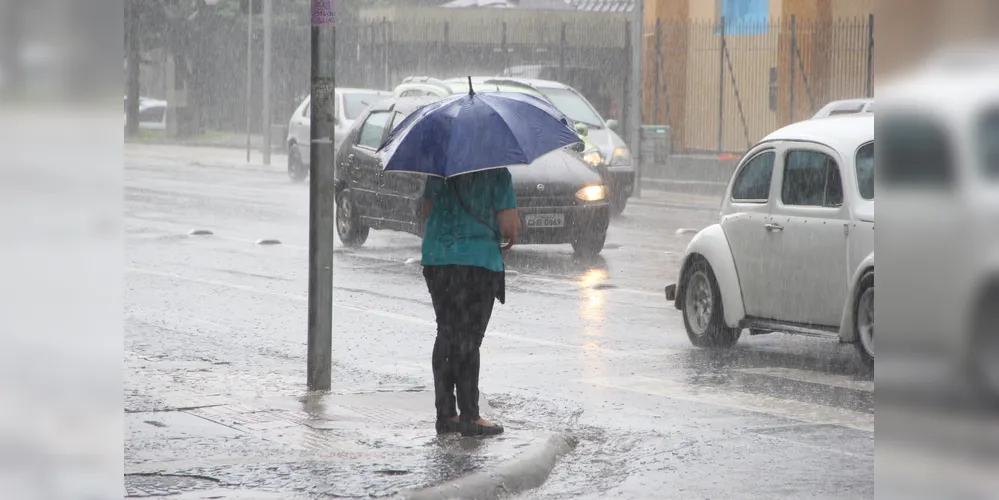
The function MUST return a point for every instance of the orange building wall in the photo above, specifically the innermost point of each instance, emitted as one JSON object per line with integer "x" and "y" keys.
{"x": 831, "y": 63}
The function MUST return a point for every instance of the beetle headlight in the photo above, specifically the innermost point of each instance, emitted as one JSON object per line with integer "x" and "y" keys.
{"x": 621, "y": 156}
{"x": 592, "y": 158}
{"x": 591, "y": 193}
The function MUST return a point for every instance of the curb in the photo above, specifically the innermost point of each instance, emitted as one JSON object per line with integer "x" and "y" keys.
{"x": 249, "y": 168}
{"x": 528, "y": 471}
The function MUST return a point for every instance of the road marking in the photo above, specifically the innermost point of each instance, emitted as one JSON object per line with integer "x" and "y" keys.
{"x": 401, "y": 317}
{"x": 757, "y": 403}
{"x": 842, "y": 381}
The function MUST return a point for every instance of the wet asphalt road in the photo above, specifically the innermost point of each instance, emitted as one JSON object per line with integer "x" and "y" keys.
{"x": 590, "y": 346}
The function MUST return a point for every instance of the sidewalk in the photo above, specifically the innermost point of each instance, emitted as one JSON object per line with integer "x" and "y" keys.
{"x": 205, "y": 429}
{"x": 657, "y": 197}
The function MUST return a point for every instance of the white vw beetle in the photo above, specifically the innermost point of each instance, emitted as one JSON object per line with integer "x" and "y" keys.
{"x": 794, "y": 249}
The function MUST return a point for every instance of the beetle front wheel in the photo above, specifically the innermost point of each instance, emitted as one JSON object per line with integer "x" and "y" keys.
{"x": 703, "y": 316}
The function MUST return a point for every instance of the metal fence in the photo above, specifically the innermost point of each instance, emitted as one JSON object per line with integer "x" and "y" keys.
{"x": 598, "y": 66}
{"x": 721, "y": 87}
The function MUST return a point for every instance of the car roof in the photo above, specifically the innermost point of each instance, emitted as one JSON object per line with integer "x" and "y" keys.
{"x": 352, "y": 90}
{"x": 461, "y": 84}
{"x": 844, "y": 133}
{"x": 947, "y": 93}
{"x": 536, "y": 83}
{"x": 404, "y": 105}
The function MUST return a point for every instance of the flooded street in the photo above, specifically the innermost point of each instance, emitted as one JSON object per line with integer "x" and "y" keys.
{"x": 587, "y": 346}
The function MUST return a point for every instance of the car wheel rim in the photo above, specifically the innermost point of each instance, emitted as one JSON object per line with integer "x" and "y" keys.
{"x": 343, "y": 215}
{"x": 699, "y": 302}
{"x": 865, "y": 320}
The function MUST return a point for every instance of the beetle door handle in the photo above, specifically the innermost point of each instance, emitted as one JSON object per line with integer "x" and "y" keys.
{"x": 773, "y": 227}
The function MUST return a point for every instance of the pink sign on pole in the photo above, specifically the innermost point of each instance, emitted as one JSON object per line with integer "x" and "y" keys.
{"x": 324, "y": 12}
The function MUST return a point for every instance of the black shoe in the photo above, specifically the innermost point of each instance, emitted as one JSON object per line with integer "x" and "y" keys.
{"x": 474, "y": 429}
{"x": 447, "y": 426}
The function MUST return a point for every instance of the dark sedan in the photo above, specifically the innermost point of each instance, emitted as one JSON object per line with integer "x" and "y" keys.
{"x": 560, "y": 198}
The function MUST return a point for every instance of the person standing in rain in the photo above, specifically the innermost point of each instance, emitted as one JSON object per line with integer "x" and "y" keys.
{"x": 467, "y": 218}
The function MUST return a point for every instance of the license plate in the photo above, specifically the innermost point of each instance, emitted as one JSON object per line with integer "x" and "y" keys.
{"x": 544, "y": 220}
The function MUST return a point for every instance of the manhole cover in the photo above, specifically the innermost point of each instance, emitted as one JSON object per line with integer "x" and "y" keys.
{"x": 151, "y": 485}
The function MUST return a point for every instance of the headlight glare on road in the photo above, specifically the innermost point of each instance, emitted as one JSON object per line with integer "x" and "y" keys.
{"x": 591, "y": 193}
{"x": 621, "y": 156}
{"x": 592, "y": 158}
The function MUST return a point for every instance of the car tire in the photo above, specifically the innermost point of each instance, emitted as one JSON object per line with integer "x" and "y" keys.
{"x": 297, "y": 171}
{"x": 618, "y": 202}
{"x": 589, "y": 245}
{"x": 983, "y": 356}
{"x": 703, "y": 315}
{"x": 349, "y": 228}
{"x": 863, "y": 321}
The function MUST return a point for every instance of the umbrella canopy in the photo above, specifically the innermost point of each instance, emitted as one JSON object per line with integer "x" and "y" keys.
{"x": 476, "y": 131}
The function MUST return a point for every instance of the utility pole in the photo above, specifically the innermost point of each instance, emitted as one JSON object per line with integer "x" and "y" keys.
{"x": 321, "y": 202}
{"x": 635, "y": 93}
{"x": 249, "y": 74}
{"x": 266, "y": 129}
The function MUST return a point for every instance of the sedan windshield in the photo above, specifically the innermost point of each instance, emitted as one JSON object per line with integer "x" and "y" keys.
{"x": 356, "y": 102}
{"x": 574, "y": 106}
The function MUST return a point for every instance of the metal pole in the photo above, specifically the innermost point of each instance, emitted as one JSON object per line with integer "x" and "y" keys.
{"x": 793, "y": 51}
{"x": 870, "y": 56}
{"x": 249, "y": 74}
{"x": 561, "y": 55}
{"x": 635, "y": 94}
{"x": 721, "y": 89}
{"x": 321, "y": 202}
{"x": 659, "y": 61}
{"x": 266, "y": 129}
{"x": 132, "y": 60}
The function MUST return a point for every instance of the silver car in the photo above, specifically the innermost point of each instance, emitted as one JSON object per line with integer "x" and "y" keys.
{"x": 349, "y": 104}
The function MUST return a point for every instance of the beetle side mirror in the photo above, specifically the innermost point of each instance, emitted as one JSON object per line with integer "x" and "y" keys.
{"x": 582, "y": 129}
{"x": 612, "y": 124}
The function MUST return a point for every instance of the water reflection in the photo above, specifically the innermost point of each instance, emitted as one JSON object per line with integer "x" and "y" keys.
{"x": 592, "y": 305}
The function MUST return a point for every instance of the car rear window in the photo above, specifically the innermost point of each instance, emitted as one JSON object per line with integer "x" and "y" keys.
{"x": 916, "y": 151}
{"x": 356, "y": 102}
{"x": 865, "y": 170}
{"x": 988, "y": 143}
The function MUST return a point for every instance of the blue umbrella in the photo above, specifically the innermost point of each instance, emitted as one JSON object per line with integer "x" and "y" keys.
{"x": 476, "y": 131}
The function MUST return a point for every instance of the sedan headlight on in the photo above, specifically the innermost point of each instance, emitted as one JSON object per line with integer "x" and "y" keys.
{"x": 621, "y": 157}
{"x": 592, "y": 158}
{"x": 591, "y": 193}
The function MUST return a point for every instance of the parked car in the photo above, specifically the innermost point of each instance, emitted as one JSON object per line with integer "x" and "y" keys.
{"x": 794, "y": 249}
{"x": 614, "y": 158}
{"x": 152, "y": 113}
{"x": 845, "y": 107}
{"x": 560, "y": 199}
{"x": 349, "y": 103}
